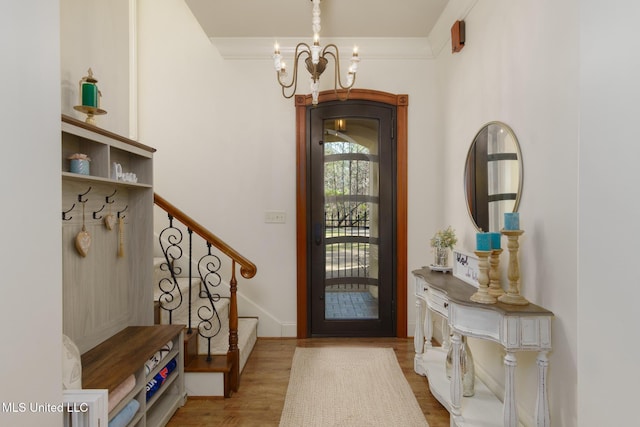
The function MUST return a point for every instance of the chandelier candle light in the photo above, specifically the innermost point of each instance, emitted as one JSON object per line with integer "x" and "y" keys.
{"x": 316, "y": 60}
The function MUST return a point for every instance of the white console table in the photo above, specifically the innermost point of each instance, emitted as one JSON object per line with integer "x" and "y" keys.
{"x": 516, "y": 328}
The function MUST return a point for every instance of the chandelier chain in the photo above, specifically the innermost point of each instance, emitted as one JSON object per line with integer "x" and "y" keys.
{"x": 315, "y": 21}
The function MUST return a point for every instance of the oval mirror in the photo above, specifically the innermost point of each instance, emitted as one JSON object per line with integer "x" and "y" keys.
{"x": 493, "y": 176}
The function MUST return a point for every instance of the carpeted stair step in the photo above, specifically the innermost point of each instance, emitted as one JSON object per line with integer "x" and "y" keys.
{"x": 211, "y": 378}
{"x": 247, "y": 336}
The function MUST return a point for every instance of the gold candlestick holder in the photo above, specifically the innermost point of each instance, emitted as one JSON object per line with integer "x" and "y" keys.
{"x": 512, "y": 296}
{"x": 482, "y": 295}
{"x": 91, "y": 112}
{"x": 91, "y": 105}
{"x": 495, "y": 287}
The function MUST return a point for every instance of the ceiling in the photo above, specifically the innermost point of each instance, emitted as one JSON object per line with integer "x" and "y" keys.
{"x": 339, "y": 18}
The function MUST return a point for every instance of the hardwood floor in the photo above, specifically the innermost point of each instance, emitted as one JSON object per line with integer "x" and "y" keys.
{"x": 264, "y": 382}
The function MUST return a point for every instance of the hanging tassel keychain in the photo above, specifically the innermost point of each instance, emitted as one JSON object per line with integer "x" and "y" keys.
{"x": 120, "y": 236}
{"x": 83, "y": 239}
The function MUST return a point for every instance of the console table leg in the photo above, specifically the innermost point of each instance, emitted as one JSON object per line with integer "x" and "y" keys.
{"x": 543, "y": 419}
{"x": 418, "y": 336}
{"x": 428, "y": 328}
{"x": 423, "y": 321}
{"x": 510, "y": 408}
{"x": 446, "y": 334}
{"x": 456, "y": 375}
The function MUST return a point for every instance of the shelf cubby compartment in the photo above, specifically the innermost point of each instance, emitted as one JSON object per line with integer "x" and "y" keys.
{"x": 98, "y": 153}
{"x": 130, "y": 162}
{"x": 164, "y": 405}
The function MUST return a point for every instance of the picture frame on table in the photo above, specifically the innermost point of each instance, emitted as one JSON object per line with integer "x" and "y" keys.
{"x": 465, "y": 267}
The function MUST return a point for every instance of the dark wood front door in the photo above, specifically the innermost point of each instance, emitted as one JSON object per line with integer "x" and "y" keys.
{"x": 351, "y": 219}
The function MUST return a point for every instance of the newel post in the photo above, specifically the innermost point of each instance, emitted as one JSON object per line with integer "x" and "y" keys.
{"x": 233, "y": 355}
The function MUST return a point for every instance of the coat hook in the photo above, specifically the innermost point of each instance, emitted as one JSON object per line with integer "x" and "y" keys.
{"x": 95, "y": 214}
{"x": 64, "y": 213}
{"x": 120, "y": 212}
{"x": 110, "y": 196}
{"x": 83, "y": 194}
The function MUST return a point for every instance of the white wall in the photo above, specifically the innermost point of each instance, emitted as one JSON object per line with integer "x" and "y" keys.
{"x": 31, "y": 314}
{"x": 223, "y": 130}
{"x": 533, "y": 65}
{"x": 95, "y": 34}
{"x": 520, "y": 66}
{"x": 608, "y": 292}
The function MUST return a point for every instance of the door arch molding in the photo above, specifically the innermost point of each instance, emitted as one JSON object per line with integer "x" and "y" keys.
{"x": 401, "y": 102}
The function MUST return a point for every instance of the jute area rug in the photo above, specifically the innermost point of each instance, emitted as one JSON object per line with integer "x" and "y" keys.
{"x": 349, "y": 386}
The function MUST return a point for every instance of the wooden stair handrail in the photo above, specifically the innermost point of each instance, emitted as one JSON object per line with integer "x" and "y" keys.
{"x": 247, "y": 268}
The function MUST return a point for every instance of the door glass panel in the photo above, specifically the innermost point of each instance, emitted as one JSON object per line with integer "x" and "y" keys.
{"x": 351, "y": 197}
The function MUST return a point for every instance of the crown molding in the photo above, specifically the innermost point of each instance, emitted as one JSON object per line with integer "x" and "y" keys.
{"x": 369, "y": 47}
{"x": 238, "y": 48}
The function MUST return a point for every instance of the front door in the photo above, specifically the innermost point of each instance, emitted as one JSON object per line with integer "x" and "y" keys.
{"x": 351, "y": 219}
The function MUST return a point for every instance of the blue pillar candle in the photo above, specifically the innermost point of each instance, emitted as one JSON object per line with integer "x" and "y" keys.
{"x": 512, "y": 221}
{"x": 495, "y": 240}
{"x": 483, "y": 242}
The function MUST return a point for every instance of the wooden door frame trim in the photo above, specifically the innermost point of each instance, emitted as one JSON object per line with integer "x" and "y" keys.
{"x": 401, "y": 102}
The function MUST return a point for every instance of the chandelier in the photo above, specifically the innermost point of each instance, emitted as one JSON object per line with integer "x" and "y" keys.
{"x": 316, "y": 59}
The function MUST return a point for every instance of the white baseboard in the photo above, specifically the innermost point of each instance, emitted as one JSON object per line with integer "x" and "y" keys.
{"x": 290, "y": 329}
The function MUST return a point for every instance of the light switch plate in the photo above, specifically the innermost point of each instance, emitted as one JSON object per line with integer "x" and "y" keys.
{"x": 275, "y": 217}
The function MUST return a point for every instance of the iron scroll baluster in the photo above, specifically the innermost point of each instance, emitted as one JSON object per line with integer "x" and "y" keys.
{"x": 170, "y": 298}
{"x": 210, "y": 324}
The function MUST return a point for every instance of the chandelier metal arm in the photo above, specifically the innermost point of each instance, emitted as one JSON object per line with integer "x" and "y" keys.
{"x": 337, "y": 74}
{"x": 301, "y": 49}
{"x": 337, "y": 80}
